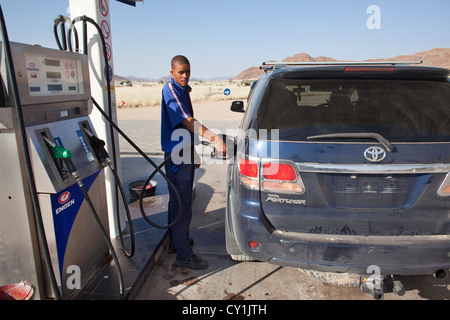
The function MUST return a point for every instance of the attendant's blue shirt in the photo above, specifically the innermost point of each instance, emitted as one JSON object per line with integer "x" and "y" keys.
{"x": 175, "y": 108}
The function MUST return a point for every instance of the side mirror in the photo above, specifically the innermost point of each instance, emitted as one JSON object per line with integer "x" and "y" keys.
{"x": 237, "y": 106}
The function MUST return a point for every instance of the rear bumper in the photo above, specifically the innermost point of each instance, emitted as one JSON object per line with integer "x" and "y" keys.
{"x": 400, "y": 255}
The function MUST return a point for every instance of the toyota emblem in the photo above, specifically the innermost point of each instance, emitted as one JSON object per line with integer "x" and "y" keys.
{"x": 375, "y": 154}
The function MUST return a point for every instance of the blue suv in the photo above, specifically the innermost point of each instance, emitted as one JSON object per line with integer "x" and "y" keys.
{"x": 340, "y": 168}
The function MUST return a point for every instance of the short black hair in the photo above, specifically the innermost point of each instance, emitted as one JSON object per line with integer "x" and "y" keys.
{"x": 179, "y": 60}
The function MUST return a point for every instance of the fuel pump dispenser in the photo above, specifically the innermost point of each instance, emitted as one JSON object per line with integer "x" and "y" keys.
{"x": 54, "y": 91}
{"x": 52, "y": 155}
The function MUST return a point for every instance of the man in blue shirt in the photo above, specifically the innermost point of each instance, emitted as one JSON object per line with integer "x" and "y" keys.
{"x": 178, "y": 127}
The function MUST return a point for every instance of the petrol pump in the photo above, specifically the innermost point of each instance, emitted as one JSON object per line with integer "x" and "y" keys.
{"x": 58, "y": 208}
{"x": 54, "y": 91}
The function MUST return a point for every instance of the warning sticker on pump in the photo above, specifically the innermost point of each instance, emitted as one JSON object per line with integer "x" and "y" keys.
{"x": 85, "y": 146}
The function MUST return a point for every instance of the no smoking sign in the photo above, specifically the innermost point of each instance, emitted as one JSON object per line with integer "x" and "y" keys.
{"x": 103, "y": 7}
{"x": 106, "y": 31}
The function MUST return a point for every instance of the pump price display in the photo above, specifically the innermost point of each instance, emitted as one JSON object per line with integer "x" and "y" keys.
{"x": 50, "y": 76}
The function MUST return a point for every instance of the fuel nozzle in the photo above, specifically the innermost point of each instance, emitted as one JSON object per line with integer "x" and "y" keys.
{"x": 99, "y": 149}
{"x": 65, "y": 155}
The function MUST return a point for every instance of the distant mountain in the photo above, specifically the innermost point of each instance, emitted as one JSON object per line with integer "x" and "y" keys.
{"x": 118, "y": 78}
{"x": 439, "y": 57}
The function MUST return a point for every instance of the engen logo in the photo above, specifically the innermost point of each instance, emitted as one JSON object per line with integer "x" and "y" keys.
{"x": 64, "y": 199}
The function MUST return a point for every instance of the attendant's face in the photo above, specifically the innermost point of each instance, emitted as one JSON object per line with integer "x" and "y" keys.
{"x": 181, "y": 73}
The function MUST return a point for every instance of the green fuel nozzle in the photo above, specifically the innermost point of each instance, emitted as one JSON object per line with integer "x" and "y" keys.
{"x": 61, "y": 153}
{"x": 64, "y": 154}
{"x": 58, "y": 151}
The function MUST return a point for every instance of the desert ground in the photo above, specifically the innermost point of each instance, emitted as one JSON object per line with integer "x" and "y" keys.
{"x": 147, "y": 94}
{"x": 142, "y": 121}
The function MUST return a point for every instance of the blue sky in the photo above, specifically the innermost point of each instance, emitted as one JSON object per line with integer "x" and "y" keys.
{"x": 222, "y": 38}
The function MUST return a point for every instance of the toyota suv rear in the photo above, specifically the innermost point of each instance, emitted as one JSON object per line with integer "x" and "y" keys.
{"x": 341, "y": 168}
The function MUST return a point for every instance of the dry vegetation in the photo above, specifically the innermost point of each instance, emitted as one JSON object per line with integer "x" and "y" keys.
{"x": 145, "y": 94}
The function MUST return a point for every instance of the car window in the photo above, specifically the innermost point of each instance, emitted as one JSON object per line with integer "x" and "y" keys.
{"x": 399, "y": 110}
{"x": 254, "y": 100}
{"x": 252, "y": 87}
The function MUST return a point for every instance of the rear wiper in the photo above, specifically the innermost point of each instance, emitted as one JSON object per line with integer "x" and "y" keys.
{"x": 363, "y": 135}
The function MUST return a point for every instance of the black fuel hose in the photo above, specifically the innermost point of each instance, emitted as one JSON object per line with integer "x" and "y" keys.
{"x": 158, "y": 169}
{"x": 141, "y": 196}
{"x": 60, "y": 21}
{"x": 67, "y": 45}
{"x": 153, "y": 164}
{"x": 102, "y": 229}
{"x": 106, "y": 238}
{"x": 214, "y": 154}
{"x": 103, "y": 157}
{"x": 84, "y": 20}
{"x": 66, "y": 156}
{"x": 24, "y": 143}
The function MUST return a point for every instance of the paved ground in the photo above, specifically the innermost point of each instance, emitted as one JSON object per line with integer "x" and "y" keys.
{"x": 225, "y": 279}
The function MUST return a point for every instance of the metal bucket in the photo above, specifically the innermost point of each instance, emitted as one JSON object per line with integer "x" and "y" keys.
{"x": 136, "y": 187}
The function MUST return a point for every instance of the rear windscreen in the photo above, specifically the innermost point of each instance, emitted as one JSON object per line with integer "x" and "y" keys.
{"x": 399, "y": 110}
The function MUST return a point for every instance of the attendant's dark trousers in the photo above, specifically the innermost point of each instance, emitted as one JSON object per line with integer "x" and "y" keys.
{"x": 182, "y": 177}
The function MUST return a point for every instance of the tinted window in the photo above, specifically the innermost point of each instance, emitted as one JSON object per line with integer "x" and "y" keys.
{"x": 400, "y": 110}
{"x": 253, "y": 101}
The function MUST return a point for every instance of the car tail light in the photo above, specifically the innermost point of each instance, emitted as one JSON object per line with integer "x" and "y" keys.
{"x": 276, "y": 176}
{"x": 279, "y": 171}
{"x": 248, "y": 171}
{"x": 248, "y": 168}
{"x": 281, "y": 177}
{"x": 444, "y": 189}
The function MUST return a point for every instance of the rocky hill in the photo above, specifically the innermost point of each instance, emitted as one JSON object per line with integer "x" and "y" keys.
{"x": 439, "y": 57}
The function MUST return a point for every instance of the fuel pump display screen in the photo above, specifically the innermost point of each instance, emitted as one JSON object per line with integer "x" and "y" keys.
{"x": 50, "y": 77}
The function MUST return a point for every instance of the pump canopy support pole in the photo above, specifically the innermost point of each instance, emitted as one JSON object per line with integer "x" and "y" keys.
{"x": 99, "y": 11}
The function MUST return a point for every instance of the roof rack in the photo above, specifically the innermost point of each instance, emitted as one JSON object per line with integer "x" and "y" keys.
{"x": 267, "y": 66}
